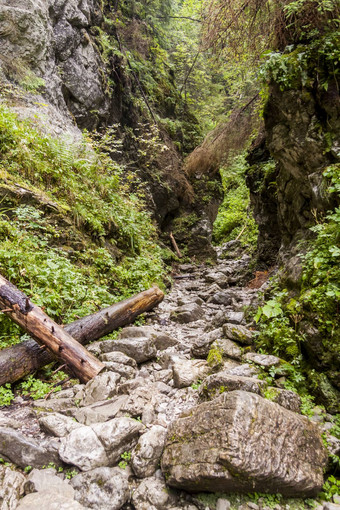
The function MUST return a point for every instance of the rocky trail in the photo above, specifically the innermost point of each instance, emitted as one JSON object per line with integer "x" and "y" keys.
{"x": 180, "y": 410}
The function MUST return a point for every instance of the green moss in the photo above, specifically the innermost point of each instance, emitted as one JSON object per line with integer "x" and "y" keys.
{"x": 215, "y": 358}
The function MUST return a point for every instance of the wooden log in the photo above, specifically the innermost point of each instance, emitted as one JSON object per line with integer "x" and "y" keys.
{"x": 48, "y": 333}
{"x": 26, "y": 357}
{"x": 174, "y": 244}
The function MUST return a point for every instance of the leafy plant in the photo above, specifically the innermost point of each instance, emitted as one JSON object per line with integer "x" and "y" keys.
{"x": 126, "y": 457}
{"x": 6, "y": 395}
{"x": 330, "y": 488}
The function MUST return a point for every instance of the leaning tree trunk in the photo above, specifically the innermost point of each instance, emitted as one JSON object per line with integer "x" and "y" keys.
{"x": 24, "y": 358}
{"x": 48, "y": 333}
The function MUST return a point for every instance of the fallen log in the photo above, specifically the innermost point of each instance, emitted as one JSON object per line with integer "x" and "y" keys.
{"x": 26, "y": 357}
{"x": 48, "y": 333}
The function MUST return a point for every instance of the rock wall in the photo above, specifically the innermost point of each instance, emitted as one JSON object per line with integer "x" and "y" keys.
{"x": 54, "y": 70}
{"x": 300, "y": 133}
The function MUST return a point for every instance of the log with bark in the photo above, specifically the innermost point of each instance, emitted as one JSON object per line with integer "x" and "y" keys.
{"x": 48, "y": 333}
{"x": 26, "y": 357}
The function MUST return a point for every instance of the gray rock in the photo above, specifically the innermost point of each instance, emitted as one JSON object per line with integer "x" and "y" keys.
{"x": 265, "y": 360}
{"x": 100, "y": 411}
{"x": 26, "y": 451}
{"x": 102, "y": 488}
{"x": 242, "y": 442}
{"x": 153, "y": 494}
{"x": 117, "y": 436}
{"x": 187, "y": 313}
{"x": 288, "y": 399}
{"x": 100, "y": 387}
{"x": 222, "y": 504}
{"x": 336, "y": 499}
{"x": 162, "y": 342}
{"x": 227, "y": 348}
{"x": 82, "y": 448}
{"x": 58, "y": 424}
{"x": 48, "y": 500}
{"x": 147, "y": 454}
{"x": 218, "y": 383}
{"x": 234, "y": 317}
{"x": 118, "y": 357}
{"x": 220, "y": 298}
{"x": 244, "y": 370}
{"x": 201, "y": 345}
{"x": 46, "y": 480}
{"x": 11, "y": 488}
{"x": 238, "y": 333}
{"x": 55, "y": 405}
{"x": 186, "y": 372}
{"x": 331, "y": 506}
{"x": 137, "y": 332}
{"x": 139, "y": 348}
{"x": 125, "y": 371}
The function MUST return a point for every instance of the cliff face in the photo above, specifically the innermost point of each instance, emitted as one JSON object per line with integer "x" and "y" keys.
{"x": 64, "y": 65}
{"x": 287, "y": 163}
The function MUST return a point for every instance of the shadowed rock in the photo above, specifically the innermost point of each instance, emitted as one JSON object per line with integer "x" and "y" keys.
{"x": 242, "y": 442}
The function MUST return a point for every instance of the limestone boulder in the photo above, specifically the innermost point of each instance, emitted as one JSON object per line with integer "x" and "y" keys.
{"x": 48, "y": 500}
{"x": 82, "y": 448}
{"x": 118, "y": 436}
{"x": 26, "y": 451}
{"x": 240, "y": 442}
{"x": 147, "y": 454}
{"x": 102, "y": 488}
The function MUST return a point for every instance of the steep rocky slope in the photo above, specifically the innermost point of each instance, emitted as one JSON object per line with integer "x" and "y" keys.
{"x": 186, "y": 393}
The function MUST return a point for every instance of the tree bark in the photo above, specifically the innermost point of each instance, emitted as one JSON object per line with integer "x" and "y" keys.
{"x": 48, "y": 333}
{"x": 26, "y": 357}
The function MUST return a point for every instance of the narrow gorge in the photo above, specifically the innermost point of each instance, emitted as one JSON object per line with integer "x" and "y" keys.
{"x": 191, "y": 147}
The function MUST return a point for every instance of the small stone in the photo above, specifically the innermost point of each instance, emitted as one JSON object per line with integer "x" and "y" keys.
{"x": 46, "y": 480}
{"x": 11, "y": 488}
{"x": 47, "y": 500}
{"x": 117, "y": 436}
{"x": 187, "y": 372}
{"x": 234, "y": 317}
{"x": 252, "y": 505}
{"x": 163, "y": 342}
{"x": 336, "y": 499}
{"x": 152, "y": 494}
{"x": 26, "y": 451}
{"x": 118, "y": 357}
{"x": 331, "y": 506}
{"x": 187, "y": 313}
{"x": 216, "y": 384}
{"x": 227, "y": 348}
{"x": 100, "y": 411}
{"x": 58, "y": 424}
{"x": 141, "y": 349}
{"x": 83, "y": 449}
{"x": 102, "y": 488}
{"x": 238, "y": 333}
{"x": 147, "y": 454}
{"x": 100, "y": 387}
{"x": 265, "y": 360}
{"x": 222, "y": 504}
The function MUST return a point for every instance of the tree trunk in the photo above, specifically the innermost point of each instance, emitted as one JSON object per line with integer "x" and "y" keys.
{"x": 26, "y": 357}
{"x": 48, "y": 333}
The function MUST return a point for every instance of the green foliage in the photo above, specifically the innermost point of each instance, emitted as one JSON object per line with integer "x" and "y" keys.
{"x": 234, "y": 217}
{"x": 215, "y": 358}
{"x": 196, "y": 385}
{"x": 35, "y": 388}
{"x": 6, "y": 395}
{"x": 126, "y": 457}
{"x": 121, "y": 256}
{"x": 330, "y": 488}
